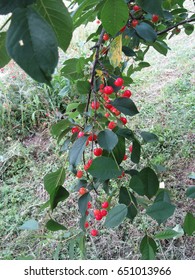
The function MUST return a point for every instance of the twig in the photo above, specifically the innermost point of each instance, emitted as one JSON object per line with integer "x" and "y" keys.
{"x": 1, "y": 28}
{"x": 176, "y": 25}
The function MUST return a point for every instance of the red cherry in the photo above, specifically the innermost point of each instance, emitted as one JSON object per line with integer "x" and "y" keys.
{"x": 136, "y": 8}
{"x": 98, "y": 21}
{"x": 155, "y": 18}
{"x": 123, "y": 174}
{"x": 97, "y": 152}
{"x": 94, "y": 232}
{"x": 106, "y": 98}
{"x": 123, "y": 29}
{"x": 105, "y": 204}
{"x": 75, "y": 129}
{"x": 123, "y": 120}
{"x": 98, "y": 217}
{"x": 104, "y": 212}
{"x": 106, "y": 37}
{"x": 96, "y": 212}
{"x": 108, "y": 106}
{"x": 134, "y": 22}
{"x": 116, "y": 112}
{"x": 95, "y": 105}
{"x": 92, "y": 137}
{"x": 81, "y": 134}
{"x": 131, "y": 148}
{"x": 86, "y": 225}
{"x": 88, "y": 164}
{"x": 82, "y": 190}
{"x": 101, "y": 86}
{"x": 127, "y": 93}
{"x": 119, "y": 82}
{"x": 89, "y": 205}
{"x": 79, "y": 174}
{"x": 125, "y": 157}
{"x": 107, "y": 115}
{"x": 108, "y": 90}
{"x": 87, "y": 213}
{"x": 111, "y": 125}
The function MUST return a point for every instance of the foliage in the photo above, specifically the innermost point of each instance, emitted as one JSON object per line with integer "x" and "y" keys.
{"x": 101, "y": 101}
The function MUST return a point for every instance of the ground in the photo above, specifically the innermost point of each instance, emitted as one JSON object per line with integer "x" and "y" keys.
{"x": 166, "y": 100}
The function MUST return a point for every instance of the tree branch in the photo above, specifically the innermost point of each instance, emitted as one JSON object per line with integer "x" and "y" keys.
{"x": 176, "y": 25}
{"x": 97, "y": 46}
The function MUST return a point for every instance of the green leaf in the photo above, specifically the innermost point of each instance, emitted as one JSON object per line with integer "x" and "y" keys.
{"x": 104, "y": 168}
{"x": 83, "y": 200}
{"x": 8, "y": 6}
{"x": 167, "y": 234}
{"x": 146, "y": 32}
{"x": 128, "y": 52}
{"x": 83, "y": 87}
{"x": 191, "y": 192}
{"x": 59, "y": 127}
{"x": 125, "y": 106}
{"x": 149, "y": 137}
{"x": 137, "y": 185}
{"x": 161, "y": 47}
{"x": 76, "y": 152}
{"x": 30, "y": 225}
{"x": 127, "y": 198}
{"x": 32, "y": 44}
{"x": 126, "y": 133}
{"x": 136, "y": 152}
{"x": 148, "y": 248}
{"x": 4, "y": 57}
{"x": 73, "y": 68}
{"x": 60, "y": 194}
{"x": 189, "y": 224}
{"x": 114, "y": 16}
{"x": 160, "y": 211}
{"x": 57, "y": 15}
{"x": 150, "y": 181}
{"x": 189, "y": 28}
{"x": 54, "y": 226}
{"x": 54, "y": 180}
{"x": 107, "y": 139}
{"x": 152, "y": 6}
{"x": 116, "y": 216}
{"x": 119, "y": 150}
{"x": 162, "y": 195}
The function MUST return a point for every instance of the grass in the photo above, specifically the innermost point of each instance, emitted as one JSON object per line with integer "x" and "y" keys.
{"x": 165, "y": 96}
